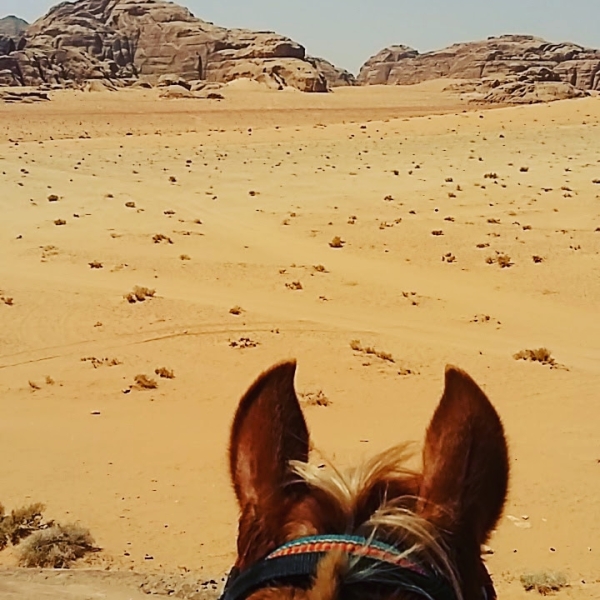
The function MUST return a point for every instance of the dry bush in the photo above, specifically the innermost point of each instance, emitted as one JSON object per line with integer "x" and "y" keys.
{"x": 243, "y": 342}
{"x": 96, "y": 264}
{"x": 21, "y": 523}
{"x": 544, "y": 582}
{"x": 491, "y": 176}
{"x": 493, "y": 221}
{"x": 139, "y": 294}
{"x": 184, "y": 257}
{"x": 320, "y": 269}
{"x": 541, "y": 355}
{"x": 236, "y": 310}
{"x": 165, "y": 373}
{"x": 537, "y": 259}
{"x": 52, "y": 198}
{"x": 7, "y": 300}
{"x": 437, "y": 232}
{"x": 57, "y": 547}
{"x": 143, "y": 382}
{"x": 130, "y": 204}
{"x": 294, "y": 285}
{"x": 501, "y": 259}
{"x": 524, "y": 169}
{"x": 33, "y": 385}
{"x": 337, "y": 242}
{"x": 60, "y": 222}
{"x": 157, "y": 238}
{"x": 370, "y": 350}
{"x": 100, "y": 362}
{"x": 315, "y": 399}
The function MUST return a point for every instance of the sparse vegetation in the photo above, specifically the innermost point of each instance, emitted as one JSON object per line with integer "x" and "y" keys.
{"x": 320, "y": 269}
{"x": 544, "y": 582}
{"x": 143, "y": 382}
{"x": 20, "y": 523}
{"x": 541, "y": 355}
{"x": 42, "y": 543}
{"x": 101, "y": 362}
{"x": 60, "y": 222}
{"x": 294, "y": 285}
{"x": 315, "y": 399}
{"x": 159, "y": 237}
{"x": 337, "y": 242}
{"x": 437, "y": 232}
{"x": 7, "y": 300}
{"x": 524, "y": 169}
{"x": 52, "y": 198}
{"x": 57, "y": 547}
{"x": 165, "y": 373}
{"x": 243, "y": 342}
{"x": 139, "y": 294}
{"x": 96, "y": 264}
{"x": 130, "y": 204}
{"x": 370, "y": 350}
{"x": 184, "y": 257}
{"x": 236, "y": 310}
{"x": 501, "y": 259}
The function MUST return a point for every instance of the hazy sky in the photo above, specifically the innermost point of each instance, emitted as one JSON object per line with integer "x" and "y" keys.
{"x": 347, "y": 32}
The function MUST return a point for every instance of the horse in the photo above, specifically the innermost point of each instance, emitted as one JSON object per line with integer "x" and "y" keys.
{"x": 380, "y": 531}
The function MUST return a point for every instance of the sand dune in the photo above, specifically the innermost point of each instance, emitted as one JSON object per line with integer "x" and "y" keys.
{"x": 217, "y": 205}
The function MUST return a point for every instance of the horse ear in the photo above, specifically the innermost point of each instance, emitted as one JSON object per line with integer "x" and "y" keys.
{"x": 268, "y": 432}
{"x": 465, "y": 463}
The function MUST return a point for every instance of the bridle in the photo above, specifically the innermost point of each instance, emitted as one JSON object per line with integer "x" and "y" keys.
{"x": 295, "y": 564}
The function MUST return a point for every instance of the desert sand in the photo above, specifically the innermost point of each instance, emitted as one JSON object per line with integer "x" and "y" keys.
{"x": 468, "y": 236}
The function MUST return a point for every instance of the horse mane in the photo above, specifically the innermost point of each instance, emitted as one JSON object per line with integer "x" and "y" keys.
{"x": 377, "y": 499}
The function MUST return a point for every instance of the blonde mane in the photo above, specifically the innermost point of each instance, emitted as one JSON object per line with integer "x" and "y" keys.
{"x": 394, "y": 518}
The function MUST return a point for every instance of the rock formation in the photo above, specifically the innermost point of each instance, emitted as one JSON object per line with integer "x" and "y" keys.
{"x": 12, "y": 26}
{"x": 497, "y": 57}
{"x": 120, "y": 39}
{"x": 335, "y": 76}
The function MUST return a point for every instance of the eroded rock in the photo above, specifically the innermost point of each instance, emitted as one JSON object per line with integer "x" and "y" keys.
{"x": 497, "y": 57}
{"x": 126, "y": 39}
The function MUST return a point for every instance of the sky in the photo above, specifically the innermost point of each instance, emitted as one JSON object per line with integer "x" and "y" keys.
{"x": 348, "y": 32}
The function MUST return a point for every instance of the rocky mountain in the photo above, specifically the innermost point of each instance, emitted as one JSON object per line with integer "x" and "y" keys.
{"x": 12, "y": 26}
{"x": 504, "y": 57}
{"x": 124, "y": 39}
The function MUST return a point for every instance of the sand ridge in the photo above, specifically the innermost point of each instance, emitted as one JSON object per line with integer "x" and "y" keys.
{"x": 217, "y": 205}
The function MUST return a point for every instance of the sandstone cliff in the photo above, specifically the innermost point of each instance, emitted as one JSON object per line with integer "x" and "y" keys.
{"x": 92, "y": 39}
{"x": 506, "y": 56}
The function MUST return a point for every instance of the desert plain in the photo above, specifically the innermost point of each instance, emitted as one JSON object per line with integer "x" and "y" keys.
{"x": 464, "y": 236}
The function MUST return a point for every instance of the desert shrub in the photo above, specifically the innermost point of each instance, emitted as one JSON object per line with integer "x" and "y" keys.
{"x": 165, "y": 373}
{"x": 57, "y": 547}
{"x": 139, "y": 294}
{"x": 144, "y": 382}
{"x": 358, "y": 347}
{"x": 544, "y": 582}
{"x": 541, "y": 355}
{"x": 20, "y": 523}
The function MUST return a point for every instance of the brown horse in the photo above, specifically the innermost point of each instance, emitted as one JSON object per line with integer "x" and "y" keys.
{"x": 381, "y": 531}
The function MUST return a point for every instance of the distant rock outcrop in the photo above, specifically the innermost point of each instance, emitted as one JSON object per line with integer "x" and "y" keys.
{"x": 12, "y": 26}
{"x": 335, "y": 76}
{"x": 119, "y": 39}
{"x": 507, "y": 56}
